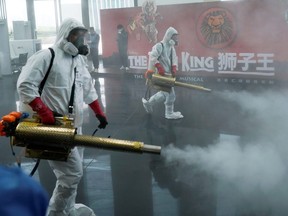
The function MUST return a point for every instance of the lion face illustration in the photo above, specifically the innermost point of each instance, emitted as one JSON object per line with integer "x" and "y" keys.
{"x": 216, "y": 28}
{"x": 216, "y": 22}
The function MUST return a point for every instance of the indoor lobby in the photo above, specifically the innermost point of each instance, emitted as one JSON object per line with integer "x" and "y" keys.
{"x": 225, "y": 157}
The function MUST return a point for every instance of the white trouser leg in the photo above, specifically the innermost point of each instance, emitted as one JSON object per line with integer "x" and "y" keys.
{"x": 156, "y": 98}
{"x": 68, "y": 176}
{"x": 169, "y": 106}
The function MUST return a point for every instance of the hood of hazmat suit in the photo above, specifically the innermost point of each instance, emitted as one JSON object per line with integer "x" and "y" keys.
{"x": 65, "y": 29}
{"x": 164, "y": 52}
{"x": 66, "y": 70}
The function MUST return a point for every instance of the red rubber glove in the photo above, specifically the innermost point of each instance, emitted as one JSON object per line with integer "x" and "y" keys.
{"x": 43, "y": 111}
{"x": 174, "y": 70}
{"x": 148, "y": 74}
{"x": 160, "y": 69}
{"x": 95, "y": 106}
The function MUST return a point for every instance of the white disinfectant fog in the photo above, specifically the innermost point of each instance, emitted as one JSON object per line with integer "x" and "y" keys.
{"x": 254, "y": 168}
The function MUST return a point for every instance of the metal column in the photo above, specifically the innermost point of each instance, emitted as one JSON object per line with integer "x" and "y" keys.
{"x": 31, "y": 17}
{"x": 85, "y": 13}
{"x": 5, "y": 66}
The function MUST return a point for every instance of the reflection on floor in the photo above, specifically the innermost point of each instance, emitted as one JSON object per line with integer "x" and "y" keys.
{"x": 127, "y": 184}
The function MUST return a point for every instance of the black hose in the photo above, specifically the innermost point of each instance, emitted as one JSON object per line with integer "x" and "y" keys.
{"x": 35, "y": 167}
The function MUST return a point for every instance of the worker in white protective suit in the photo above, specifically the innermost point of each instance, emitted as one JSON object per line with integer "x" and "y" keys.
{"x": 68, "y": 80}
{"x": 163, "y": 60}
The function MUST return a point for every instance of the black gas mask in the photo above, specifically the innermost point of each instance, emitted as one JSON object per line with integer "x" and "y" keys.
{"x": 80, "y": 45}
{"x": 174, "y": 40}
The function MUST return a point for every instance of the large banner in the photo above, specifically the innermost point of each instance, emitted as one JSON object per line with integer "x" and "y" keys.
{"x": 241, "y": 39}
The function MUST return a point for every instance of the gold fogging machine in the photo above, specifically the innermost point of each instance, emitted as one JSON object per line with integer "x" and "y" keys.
{"x": 164, "y": 83}
{"x": 54, "y": 142}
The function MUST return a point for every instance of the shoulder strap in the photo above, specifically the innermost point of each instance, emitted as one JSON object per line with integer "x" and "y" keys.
{"x": 170, "y": 54}
{"x": 161, "y": 51}
{"x": 71, "y": 101}
{"x": 48, "y": 71}
{"x": 171, "y": 59}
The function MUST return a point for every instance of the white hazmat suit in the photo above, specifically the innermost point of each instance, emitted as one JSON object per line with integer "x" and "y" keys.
{"x": 164, "y": 55}
{"x": 56, "y": 96}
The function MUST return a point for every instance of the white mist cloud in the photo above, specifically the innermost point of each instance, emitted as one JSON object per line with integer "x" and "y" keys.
{"x": 258, "y": 164}
{"x": 253, "y": 166}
